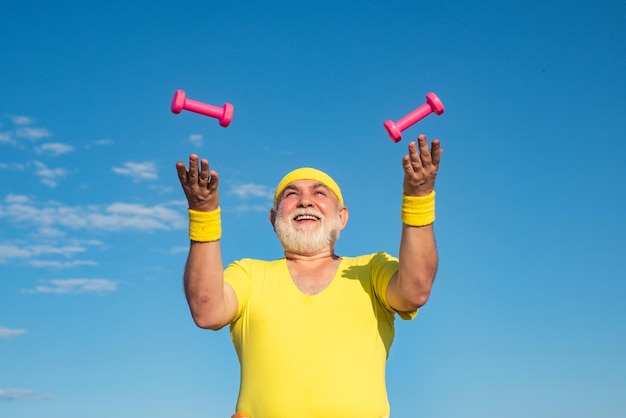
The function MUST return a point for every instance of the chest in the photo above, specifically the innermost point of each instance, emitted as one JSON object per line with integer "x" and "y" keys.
{"x": 313, "y": 280}
{"x": 281, "y": 318}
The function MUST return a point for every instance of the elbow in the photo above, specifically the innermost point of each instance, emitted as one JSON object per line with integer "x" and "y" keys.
{"x": 415, "y": 282}
{"x": 209, "y": 312}
{"x": 410, "y": 301}
{"x": 423, "y": 287}
{"x": 416, "y": 301}
{"x": 415, "y": 293}
{"x": 421, "y": 300}
{"x": 212, "y": 326}
{"x": 208, "y": 322}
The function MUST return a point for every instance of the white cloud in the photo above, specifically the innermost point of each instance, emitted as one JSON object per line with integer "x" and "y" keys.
{"x": 7, "y": 138}
{"x": 48, "y": 232}
{"x": 138, "y": 171}
{"x": 66, "y": 251}
{"x": 162, "y": 190}
{"x": 10, "y": 333}
{"x": 17, "y": 394}
{"x": 115, "y": 217}
{"x": 135, "y": 209}
{"x": 251, "y": 208}
{"x": 45, "y": 227}
{"x": 61, "y": 264}
{"x": 178, "y": 250}
{"x": 196, "y": 139}
{"x": 49, "y": 176}
{"x": 54, "y": 149}
{"x": 12, "y": 166}
{"x": 124, "y": 216}
{"x": 21, "y": 120}
{"x": 10, "y": 252}
{"x": 245, "y": 191}
{"x": 23, "y": 131}
{"x": 16, "y": 198}
{"x": 74, "y": 286}
{"x": 32, "y": 134}
{"x": 99, "y": 143}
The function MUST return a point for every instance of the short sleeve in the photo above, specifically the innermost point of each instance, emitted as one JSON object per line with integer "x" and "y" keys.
{"x": 382, "y": 267}
{"x": 238, "y": 276}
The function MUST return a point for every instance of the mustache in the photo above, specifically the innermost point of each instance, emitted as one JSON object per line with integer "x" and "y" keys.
{"x": 301, "y": 212}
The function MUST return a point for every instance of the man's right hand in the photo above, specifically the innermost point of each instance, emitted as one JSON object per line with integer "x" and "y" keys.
{"x": 199, "y": 184}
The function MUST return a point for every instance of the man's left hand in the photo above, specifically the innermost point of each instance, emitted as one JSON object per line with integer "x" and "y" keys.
{"x": 421, "y": 166}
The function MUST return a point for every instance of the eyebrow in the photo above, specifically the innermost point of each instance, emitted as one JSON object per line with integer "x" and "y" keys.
{"x": 297, "y": 189}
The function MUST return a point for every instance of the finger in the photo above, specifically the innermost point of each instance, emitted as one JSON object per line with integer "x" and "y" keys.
{"x": 205, "y": 174}
{"x": 182, "y": 172}
{"x": 407, "y": 166}
{"x": 213, "y": 180}
{"x": 425, "y": 156}
{"x": 436, "y": 152}
{"x": 414, "y": 156}
{"x": 193, "y": 168}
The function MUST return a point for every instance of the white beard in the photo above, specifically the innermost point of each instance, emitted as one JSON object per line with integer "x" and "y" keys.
{"x": 310, "y": 238}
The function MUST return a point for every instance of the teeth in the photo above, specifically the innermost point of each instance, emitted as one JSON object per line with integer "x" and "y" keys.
{"x": 306, "y": 218}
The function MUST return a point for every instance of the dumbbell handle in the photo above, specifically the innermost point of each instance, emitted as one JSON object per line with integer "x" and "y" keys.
{"x": 414, "y": 117}
{"x": 223, "y": 114}
{"x": 203, "y": 108}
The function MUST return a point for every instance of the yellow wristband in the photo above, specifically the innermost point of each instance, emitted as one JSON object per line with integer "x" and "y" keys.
{"x": 205, "y": 226}
{"x": 418, "y": 210}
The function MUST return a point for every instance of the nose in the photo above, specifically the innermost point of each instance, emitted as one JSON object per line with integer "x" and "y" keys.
{"x": 305, "y": 201}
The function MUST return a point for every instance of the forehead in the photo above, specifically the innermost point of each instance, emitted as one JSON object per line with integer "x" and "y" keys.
{"x": 304, "y": 185}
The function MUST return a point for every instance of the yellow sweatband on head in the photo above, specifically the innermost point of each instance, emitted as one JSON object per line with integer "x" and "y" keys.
{"x": 205, "y": 226}
{"x": 307, "y": 173}
{"x": 418, "y": 210}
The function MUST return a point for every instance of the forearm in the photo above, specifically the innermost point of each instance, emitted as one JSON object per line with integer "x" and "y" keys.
{"x": 204, "y": 285}
{"x": 418, "y": 262}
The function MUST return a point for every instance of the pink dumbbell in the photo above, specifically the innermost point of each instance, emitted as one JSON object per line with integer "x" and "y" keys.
{"x": 433, "y": 104}
{"x": 224, "y": 113}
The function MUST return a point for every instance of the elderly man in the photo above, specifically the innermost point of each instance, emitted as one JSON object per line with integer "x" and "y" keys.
{"x": 312, "y": 330}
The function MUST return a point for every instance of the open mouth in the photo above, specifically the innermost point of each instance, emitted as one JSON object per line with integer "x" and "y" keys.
{"x": 306, "y": 218}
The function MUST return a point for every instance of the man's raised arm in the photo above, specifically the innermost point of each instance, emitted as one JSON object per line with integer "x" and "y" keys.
{"x": 410, "y": 288}
{"x": 212, "y": 302}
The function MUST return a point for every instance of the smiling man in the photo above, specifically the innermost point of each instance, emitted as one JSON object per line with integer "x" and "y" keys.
{"x": 313, "y": 329}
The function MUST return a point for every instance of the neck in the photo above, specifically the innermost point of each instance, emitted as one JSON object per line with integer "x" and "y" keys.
{"x": 324, "y": 255}
{"x": 312, "y": 273}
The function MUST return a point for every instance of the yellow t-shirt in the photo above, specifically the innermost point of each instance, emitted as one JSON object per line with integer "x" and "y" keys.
{"x": 314, "y": 356}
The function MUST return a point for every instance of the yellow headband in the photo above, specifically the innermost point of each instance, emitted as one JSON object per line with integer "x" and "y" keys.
{"x": 308, "y": 173}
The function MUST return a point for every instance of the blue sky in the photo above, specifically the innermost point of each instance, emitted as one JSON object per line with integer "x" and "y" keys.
{"x": 527, "y": 315}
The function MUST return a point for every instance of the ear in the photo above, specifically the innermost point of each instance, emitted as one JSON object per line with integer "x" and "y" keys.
{"x": 343, "y": 216}
{"x": 272, "y": 217}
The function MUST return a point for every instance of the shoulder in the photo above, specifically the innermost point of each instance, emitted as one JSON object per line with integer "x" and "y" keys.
{"x": 374, "y": 266}
{"x": 256, "y": 262}
{"x": 249, "y": 265}
{"x": 371, "y": 259}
